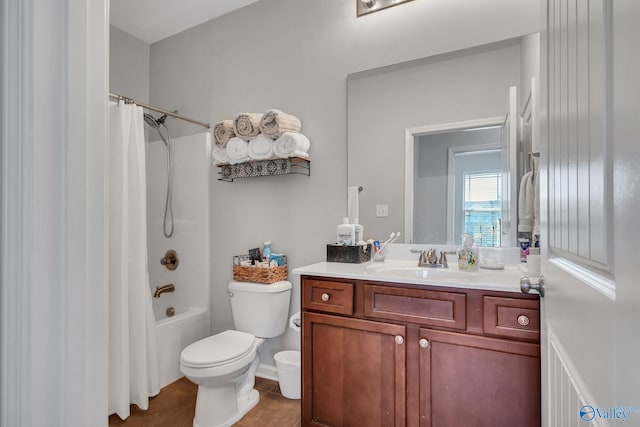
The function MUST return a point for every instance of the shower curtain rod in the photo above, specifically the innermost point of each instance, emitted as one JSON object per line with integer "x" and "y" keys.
{"x": 158, "y": 110}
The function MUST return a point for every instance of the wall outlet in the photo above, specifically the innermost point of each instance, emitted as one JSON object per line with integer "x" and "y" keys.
{"x": 382, "y": 211}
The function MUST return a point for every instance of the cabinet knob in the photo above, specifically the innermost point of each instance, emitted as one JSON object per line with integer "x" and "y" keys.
{"x": 424, "y": 343}
{"x": 399, "y": 339}
{"x": 325, "y": 297}
{"x": 523, "y": 320}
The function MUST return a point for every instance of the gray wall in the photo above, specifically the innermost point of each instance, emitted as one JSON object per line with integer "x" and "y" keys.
{"x": 295, "y": 55}
{"x": 128, "y": 65}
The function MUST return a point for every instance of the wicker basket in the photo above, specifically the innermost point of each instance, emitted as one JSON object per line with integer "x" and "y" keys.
{"x": 260, "y": 275}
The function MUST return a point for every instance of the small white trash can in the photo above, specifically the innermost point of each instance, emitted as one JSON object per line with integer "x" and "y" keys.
{"x": 288, "y": 365}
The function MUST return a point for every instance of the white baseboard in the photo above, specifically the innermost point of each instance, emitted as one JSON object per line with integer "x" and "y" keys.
{"x": 268, "y": 372}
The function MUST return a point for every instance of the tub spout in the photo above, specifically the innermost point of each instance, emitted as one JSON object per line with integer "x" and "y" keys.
{"x": 162, "y": 289}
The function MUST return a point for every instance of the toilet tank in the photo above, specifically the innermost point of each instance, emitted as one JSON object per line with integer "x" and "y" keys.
{"x": 260, "y": 309}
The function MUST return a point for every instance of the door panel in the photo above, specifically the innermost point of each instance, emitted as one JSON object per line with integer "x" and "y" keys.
{"x": 588, "y": 197}
{"x": 359, "y": 372}
{"x": 508, "y": 142}
{"x": 468, "y": 380}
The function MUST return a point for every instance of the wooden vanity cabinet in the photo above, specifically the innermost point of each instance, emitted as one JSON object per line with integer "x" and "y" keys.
{"x": 387, "y": 354}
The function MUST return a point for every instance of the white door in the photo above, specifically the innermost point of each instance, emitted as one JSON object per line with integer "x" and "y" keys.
{"x": 508, "y": 142}
{"x": 590, "y": 200}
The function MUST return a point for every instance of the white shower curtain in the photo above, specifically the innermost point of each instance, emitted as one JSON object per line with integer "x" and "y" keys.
{"x": 133, "y": 360}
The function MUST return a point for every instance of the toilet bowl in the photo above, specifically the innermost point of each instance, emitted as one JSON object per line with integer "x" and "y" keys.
{"x": 220, "y": 365}
{"x": 224, "y": 365}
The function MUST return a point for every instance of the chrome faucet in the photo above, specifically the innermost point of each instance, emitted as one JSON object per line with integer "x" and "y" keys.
{"x": 443, "y": 258}
{"x": 430, "y": 259}
{"x": 162, "y": 289}
{"x": 426, "y": 258}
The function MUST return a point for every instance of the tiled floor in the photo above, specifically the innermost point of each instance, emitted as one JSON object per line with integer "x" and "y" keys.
{"x": 176, "y": 404}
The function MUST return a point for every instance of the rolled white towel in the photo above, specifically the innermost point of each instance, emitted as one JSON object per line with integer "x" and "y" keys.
{"x": 536, "y": 201}
{"x": 291, "y": 144}
{"x": 261, "y": 147}
{"x": 247, "y": 125}
{"x": 237, "y": 150}
{"x": 220, "y": 155}
{"x": 223, "y": 131}
{"x": 525, "y": 204}
{"x": 275, "y": 123}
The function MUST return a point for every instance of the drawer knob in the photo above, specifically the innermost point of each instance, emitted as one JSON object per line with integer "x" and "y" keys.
{"x": 424, "y": 343}
{"x": 325, "y": 297}
{"x": 399, "y": 339}
{"x": 523, "y": 320}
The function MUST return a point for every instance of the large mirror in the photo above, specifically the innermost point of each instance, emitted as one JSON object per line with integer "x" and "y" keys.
{"x": 421, "y": 134}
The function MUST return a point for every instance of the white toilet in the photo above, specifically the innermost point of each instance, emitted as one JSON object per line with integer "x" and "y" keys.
{"x": 224, "y": 365}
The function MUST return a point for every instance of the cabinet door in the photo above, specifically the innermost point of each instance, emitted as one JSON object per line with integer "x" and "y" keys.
{"x": 354, "y": 372}
{"x": 478, "y": 381}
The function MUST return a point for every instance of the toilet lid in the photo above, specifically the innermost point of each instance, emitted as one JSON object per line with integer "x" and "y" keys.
{"x": 218, "y": 349}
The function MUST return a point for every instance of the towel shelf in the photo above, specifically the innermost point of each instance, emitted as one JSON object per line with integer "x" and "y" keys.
{"x": 270, "y": 167}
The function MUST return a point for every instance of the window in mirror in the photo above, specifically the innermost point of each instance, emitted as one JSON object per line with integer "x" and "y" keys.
{"x": 483, "y": 207}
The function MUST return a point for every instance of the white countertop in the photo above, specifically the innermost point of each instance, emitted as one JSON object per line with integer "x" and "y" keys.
{"x": 401, "y": 271}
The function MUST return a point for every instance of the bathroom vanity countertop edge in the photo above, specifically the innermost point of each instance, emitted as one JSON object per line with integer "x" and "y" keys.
{"x": 507, "y": 280}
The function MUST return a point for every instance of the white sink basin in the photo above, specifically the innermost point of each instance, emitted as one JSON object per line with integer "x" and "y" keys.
{"x": 409, "y": 270}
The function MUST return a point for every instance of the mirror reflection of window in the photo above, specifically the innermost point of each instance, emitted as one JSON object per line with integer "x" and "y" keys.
{"x": 483, "y": 207}
{"x": 476, "y": 190}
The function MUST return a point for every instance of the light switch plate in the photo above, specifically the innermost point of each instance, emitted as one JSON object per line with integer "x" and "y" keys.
{"x": 382, "y": 211}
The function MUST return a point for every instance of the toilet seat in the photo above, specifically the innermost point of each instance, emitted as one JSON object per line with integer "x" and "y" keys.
{"x": 220, "y": 349}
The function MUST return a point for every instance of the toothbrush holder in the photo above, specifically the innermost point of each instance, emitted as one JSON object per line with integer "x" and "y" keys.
{"x": 379, "y": 256}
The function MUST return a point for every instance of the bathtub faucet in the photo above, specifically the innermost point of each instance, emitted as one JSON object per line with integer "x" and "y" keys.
{"x": 162, "y": 289}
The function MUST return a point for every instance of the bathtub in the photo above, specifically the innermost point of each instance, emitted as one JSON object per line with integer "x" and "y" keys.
{"x": 173, "y": 335}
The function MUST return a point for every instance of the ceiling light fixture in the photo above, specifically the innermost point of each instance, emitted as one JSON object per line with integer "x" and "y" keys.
{"x": 364, "y": 7}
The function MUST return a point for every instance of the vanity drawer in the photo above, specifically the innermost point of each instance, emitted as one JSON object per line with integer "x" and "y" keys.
{"x": 511, "y": 317}
{"x": 328, "y": 296}
{"x": 424, "y": 307}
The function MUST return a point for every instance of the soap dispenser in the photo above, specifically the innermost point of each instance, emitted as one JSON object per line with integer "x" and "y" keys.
{"x": 346, "y": 233}
{"x": 359, "y": 230}
{"x": 468, "y": 255}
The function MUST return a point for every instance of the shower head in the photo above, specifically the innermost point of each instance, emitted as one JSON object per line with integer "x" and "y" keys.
{"x": 153, "y": 122}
